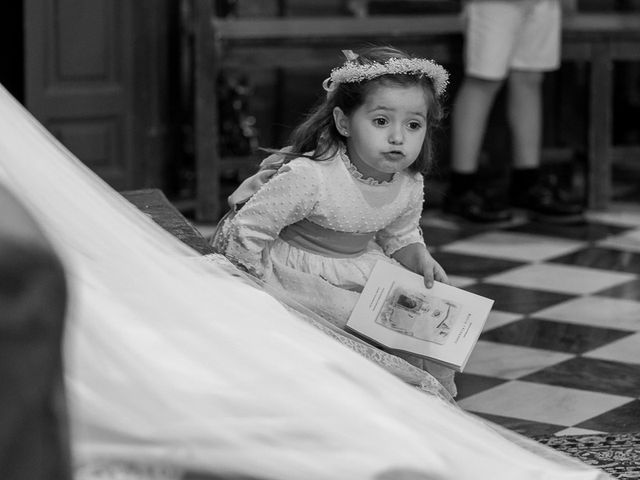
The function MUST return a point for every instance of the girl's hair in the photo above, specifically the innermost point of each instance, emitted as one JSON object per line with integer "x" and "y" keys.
{"x": 318, "y": 132}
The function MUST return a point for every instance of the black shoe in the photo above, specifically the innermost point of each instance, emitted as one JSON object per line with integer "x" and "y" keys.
{"x": 546, "y": 201}
{"x": 476, "y": 208}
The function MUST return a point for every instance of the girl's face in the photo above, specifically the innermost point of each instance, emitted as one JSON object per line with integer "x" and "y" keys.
{"x": 386, "y": 133}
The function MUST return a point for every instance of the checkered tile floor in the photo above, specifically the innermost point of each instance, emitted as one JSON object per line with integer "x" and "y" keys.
{"x": 560, "y": 353}
{"x": 561, "y": 350}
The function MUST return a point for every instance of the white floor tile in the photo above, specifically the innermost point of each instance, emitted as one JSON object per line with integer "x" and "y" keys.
{"x": 497, "y": 319}
{"x": 461, "y": 282}
{"x": 560, "y": 278}
{"x": 625, "y": 350}
{"x": 542, "y": 403}
{"x": 514, "y": 246}
{"x": 435, "y": 219}
{"x": 596, "y": 311}
{"x": 509, "y": 362}
{"x": 628, "y": 241}
{"x": 622, "y": 214}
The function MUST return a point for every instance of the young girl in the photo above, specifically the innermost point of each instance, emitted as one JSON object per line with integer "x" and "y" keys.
{"x": 347, "y": 192}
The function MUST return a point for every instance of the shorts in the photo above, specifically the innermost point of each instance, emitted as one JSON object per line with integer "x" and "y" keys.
{"x": 504, "y": 35}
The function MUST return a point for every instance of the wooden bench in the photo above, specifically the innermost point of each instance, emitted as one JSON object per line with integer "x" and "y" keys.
{"x": 154, "y": 203}
{"x": 314, "y": 43}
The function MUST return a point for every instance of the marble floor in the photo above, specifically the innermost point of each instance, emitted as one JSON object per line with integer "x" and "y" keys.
{"x": 560, "y": 353}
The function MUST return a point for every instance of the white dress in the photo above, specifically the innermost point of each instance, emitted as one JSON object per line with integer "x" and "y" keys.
{"x": 332, "y": 195}
{"x": 175, "y": 362}
{"x": 335, "y": 205}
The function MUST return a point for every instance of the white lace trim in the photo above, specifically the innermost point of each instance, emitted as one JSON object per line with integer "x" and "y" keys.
{"x": 411, "y": 374}
{"x": 120, "y": 471}
{"x": 355, "y": 173}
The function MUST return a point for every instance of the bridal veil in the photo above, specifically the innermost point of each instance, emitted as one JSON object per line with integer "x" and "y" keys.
{"x": 174, "y": 363}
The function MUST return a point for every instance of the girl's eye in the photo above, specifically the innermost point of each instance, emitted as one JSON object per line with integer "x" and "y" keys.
{"x": 415, "y": 125}
{"x": 381, "y": 122}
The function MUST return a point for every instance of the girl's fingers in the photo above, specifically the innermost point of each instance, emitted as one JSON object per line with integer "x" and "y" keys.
{"x": 440, "y": 274}
{"x": 433, "y": 271}
{"x": 429, "y": 277}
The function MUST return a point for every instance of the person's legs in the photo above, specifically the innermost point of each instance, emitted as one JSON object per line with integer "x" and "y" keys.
{"x": 528, "y": 189}
{"x": 491, "y": 29}
{"x": 524, "y": 115}
{"x": 470, "y": 112}
{"x": 469, "y": 123}
{"x": 536, "y": 51}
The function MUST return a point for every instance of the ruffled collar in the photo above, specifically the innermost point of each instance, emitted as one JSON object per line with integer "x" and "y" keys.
{"x": 355, "y": 173}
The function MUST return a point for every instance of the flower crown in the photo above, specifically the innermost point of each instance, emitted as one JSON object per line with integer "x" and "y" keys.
{"x": 353, "y": 72}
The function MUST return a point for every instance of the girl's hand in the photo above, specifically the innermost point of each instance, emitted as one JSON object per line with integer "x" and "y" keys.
{"x": 417, "y": 258}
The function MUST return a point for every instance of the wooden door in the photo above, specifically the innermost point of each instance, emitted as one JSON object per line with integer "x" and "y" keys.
{"x": 95, "y": 75}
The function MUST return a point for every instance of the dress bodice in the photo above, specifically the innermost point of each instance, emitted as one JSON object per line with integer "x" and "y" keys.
{"x": 347, "y": 202}
{"x": 331, "y": 194}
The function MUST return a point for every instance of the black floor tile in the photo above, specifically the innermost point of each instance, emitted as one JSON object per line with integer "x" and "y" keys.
{"x": 473, "y": 266}
{"x": 435, "y": 236}
{"x": 623, "y": 419}
{"x": 603, "y": 258}
{"x": 469, "y": 384}
{"x": 516, "y": 299}
{"x": 524, "y": 427}
{"x": 591, "y": 374}
{"x": 552, "y": 335}
{"x": 625, "y": 291}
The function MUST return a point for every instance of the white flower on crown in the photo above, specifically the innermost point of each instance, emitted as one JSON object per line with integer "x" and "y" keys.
{"x": 353, "y": 72}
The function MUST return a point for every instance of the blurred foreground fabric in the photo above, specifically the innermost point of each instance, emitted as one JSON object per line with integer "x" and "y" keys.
{"x": 33, "y": 430}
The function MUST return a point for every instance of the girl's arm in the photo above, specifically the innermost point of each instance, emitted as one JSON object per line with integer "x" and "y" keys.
{"x": 402, "y": 240}
{"x": 417, "y": 258}
{"x": 286, "y": 198}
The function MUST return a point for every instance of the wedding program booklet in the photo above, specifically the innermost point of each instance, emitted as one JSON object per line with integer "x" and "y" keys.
{"x": 397, "y": 311}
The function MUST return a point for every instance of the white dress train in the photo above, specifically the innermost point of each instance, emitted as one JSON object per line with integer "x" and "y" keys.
{"x": 173, "y": 364}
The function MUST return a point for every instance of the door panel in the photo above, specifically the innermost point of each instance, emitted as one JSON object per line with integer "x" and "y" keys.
{"x": 79, "y": 80}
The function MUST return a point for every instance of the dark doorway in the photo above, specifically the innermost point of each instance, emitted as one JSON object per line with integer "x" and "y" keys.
{"x": 12, "y": 48}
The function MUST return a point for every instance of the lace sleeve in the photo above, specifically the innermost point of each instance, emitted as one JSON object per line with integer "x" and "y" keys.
{"x": 405, "y": 229}
{"x": 285, "y": 199}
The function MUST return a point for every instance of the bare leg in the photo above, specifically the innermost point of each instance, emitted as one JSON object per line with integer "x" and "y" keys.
{"x": 524, "y": 113}
{"x": 470, "y": 112}
{"x": 544, "y": 200}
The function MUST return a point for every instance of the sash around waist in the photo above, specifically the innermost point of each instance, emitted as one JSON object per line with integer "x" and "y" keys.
{"x": 315, "y": 238}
